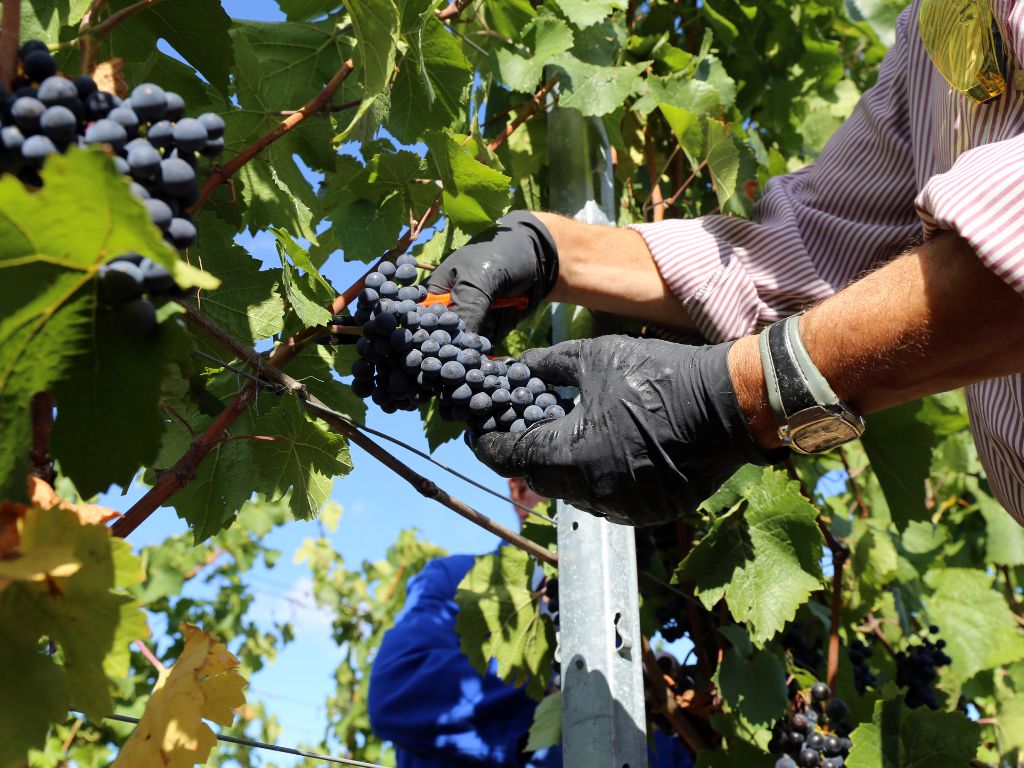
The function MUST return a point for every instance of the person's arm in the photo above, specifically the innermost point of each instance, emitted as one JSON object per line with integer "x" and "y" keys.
{"x": 930, "y": 321}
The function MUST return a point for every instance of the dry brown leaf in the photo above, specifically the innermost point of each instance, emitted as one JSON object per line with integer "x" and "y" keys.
{"x": 202, "y": 684}
{"x": 109, "y": 77}
{"x": 42, "y": 495}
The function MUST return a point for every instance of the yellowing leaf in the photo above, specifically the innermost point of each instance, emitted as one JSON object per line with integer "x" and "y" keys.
{"x": 202, "y": 685}
{"x": 42, "y": 495}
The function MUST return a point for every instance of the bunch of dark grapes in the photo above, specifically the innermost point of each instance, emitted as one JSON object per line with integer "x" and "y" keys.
{"x": 863, "y": 677}
{"x": 152, "y": 140}
{"x": 411, "y": 351}
{"x": 814, "y": 733}
{"x": 673, "y": 620}
{"x": 917, "y": 669}
{"x": 127, "y": 283}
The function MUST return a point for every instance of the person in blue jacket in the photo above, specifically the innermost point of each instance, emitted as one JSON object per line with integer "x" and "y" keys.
{"x": 427, "y": 699}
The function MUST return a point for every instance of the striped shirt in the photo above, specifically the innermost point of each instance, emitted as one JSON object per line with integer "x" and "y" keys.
{"x": 914, "y": 158}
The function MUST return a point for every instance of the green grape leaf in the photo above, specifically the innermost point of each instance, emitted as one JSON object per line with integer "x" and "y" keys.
{"x": 546, "y": 728}
{"x": 1004, "y": 539}
{"x": 723, "y": 161}
{"x": 80, "y": 612}
{"x": 196, "y": 29}
{"x": 499, "y": 618}
{"x": 899, "y": 444}
{"x": 46, "y": 19}
{"x": 303, "y": 457}
{"x": 248, "y": 304}
{"x": 752, "y": 682}
{"x": 898, "y": 737}
{"x": 510, "y": 17}
{"x": 474, "y": 194}
{"x": 449, "y": 73}
{"x": 304, "y": 10}
{"x": 110, "y": 395}
{"x": 595, "y": 90}
{"x": 585, "y": 13}
{"x": 376, "y": 23}
{"x": 688, "y": 130}
{"x": 1011, "y": 723}
{"x": 314, "y": 367}
{"x": 546, "y": 38}
{"x": 47, "y": 290}
{"x": 762, "y": 558}
{"x": 365, "y": 229}
{"x": 308, "y": 294}
{"x": 976, "y": 623}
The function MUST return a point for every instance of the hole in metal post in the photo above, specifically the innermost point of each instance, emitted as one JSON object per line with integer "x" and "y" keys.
{"x": 575, "y": 526}
{"x": 618, "y": 637}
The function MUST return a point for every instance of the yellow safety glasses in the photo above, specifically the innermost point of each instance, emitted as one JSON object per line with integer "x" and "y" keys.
{"x": 963, "y": 40}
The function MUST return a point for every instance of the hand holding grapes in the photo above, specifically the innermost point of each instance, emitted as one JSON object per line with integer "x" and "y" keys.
{"x": 656, "y": 432}
{"x": 514, "y": 258}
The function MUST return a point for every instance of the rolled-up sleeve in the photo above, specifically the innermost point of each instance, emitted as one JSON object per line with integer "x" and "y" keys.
{"x": 814, "y": 230}
{"x": 981, "y": 198}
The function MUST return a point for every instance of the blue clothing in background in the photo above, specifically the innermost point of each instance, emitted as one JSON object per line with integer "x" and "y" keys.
{"x": 428, "y": 700}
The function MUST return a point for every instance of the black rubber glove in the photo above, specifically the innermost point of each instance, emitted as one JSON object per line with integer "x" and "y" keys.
{"x": 657, "y": 429}
{"x": 517, "y": 257}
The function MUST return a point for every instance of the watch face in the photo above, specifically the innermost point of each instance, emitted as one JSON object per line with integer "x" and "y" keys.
{"x": 822, "y": 435}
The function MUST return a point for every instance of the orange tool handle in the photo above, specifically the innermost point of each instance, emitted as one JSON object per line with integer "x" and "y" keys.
{"x": 517, "y": 302}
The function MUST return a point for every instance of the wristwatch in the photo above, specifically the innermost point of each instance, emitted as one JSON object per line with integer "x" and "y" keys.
{"x": 809, "y": 416}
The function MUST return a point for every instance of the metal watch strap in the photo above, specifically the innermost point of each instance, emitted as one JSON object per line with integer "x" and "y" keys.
{"x": 794, "y": 382}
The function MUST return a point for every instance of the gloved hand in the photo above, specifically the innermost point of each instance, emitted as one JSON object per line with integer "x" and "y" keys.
{"x": 657, "y": 429}
{"x": 515, "y": 257}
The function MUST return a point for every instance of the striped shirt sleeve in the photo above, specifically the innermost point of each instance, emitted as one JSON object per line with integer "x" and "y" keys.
{"x": 814, "y": 230}
{"x": 982, "y": 199}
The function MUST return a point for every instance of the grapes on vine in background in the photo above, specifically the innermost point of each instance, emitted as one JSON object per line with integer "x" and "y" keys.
{"x": 815, "y": 733}
{"x": 129, "y": 284}
{"x": 411, "y": 353}
{"x": 917, "y": 668}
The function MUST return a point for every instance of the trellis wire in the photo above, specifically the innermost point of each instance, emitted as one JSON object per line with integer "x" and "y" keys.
{"x": 383, "y": 436}
{"x": 270, "y": 747}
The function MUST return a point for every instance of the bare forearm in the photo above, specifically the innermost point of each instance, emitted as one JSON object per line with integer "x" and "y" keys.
{"x": 930, "y": 321}
{"x": 611, "y": 270}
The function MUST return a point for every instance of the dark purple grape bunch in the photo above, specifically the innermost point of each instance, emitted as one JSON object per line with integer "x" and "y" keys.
{"x": 815, "y": 733}
{"x": 128, "y": 284}
{"x": 863, "y": 677}
{"x": 673, "y": 620}
{"x": 153, "y": 142}
{"x": 411, "y": 352}
{"x": 917, "y": 669}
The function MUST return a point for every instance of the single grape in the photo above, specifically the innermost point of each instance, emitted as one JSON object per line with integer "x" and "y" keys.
{"x": 785, "y": 762}
{"x": 821, "y": 692}
{"x": 362, "y": 389}
{"x": 517, "y": 426}
{"x": 374, "y": 280}
{"x": 107, "y": 132}
{"x": 363, "y": 370}
{"x": 39, "y": 65}
{"x": 388, "y": 290}
{"x": 431, "y": 367}
{"x": 837, "y": 708}
{"x": 475, "y": 379}
{"x": 121, "y": 165}
{"x": 58, "y": 91}
{"x": 816, "y": 740}
{"x": 11, "y": 138}
{"x": 181, "y": 232}
{"x": 411, "y": 320}
{"x": 412, "y": 361}
{"x": 405, "y": 258}
{"x": 161, "y": 134}
{"x": 408, "y": 293}
{"x": 522, "y": 397}
{"x": 189, "y": 135}
{"x": 489, "y": 367}
{"x": 452, "y": 372}
{"x": 120, "y": 282}
{"x": 532, "y": 414}
{"x": 387, "y": 268}
{"x": 485, "y": 345}
{"x": 98, "y": 105}
{"x": 808, "y": 758}
{"x": 799, "y": 721}
{"x": 469, "y": 358}
{"x": 421, "y": 289}
{"x": 405, "y": 275}
{"x": 30, "y": 46}
{"x": 490, "y": 383}
{"x": 138, "y": 318}
{"x": 462, "y": 395}
{"x": 833, "y": 762}
{"x": 536, "y": 386}
{"x": 26, "y": 112}
{"x": 381, "y": 396}
{"x": 438, "y": 309}
{"x": 418, "y": 337}
{"x": 501, "y": 397}
{"x": 488, "y": 425}
{"x": 158, "y": 278}
{"x": 369, "y": 297}
{"x": 502, "y": 367}
{"x": 503, "y": 383}
{"x": 405, "y": 306}
{"x": 384, "y": 323}
{"x": 545, "y": 400}
{"x": 441, "y": 337}
{"x": 159, "y": 213}
{"x": 448, "y": 352}
{"x": 430, "y": 348}
{"x": 176, "y": 176}
{"x": 149, "y": 102}
{"x": 176, "y": 108}
{"x": 471, "y": 340}
{"x": 37, "y": 148}
{"x": 554, "y": 412}
{"x": 833, "y": 746}
{"x": 85, "y": 86}
{"x": 212, "y": 148}
{"x": 139, "y": 191}
{"x": 213, "y": 123}
{"x": 401, "y": 339}
{"x": 127, "y": 120}
{"x": 518, "y": 374}
{"x": 449, "y": 321}
{"x": 144, "y": 162}
{"x": 428, "y": 321}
